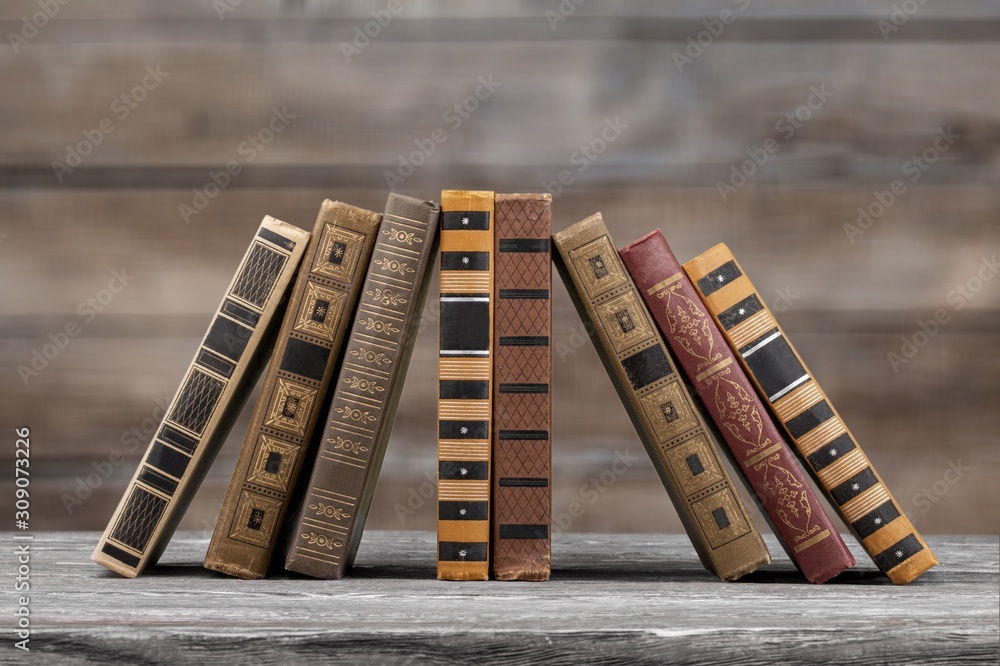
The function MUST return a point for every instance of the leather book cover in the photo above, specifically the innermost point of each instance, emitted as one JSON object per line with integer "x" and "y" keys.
{"x": 669, "y": 422}
{"x": 522, "y": 376}
{"x": 465, "y": 374}
{"x": 225, "y": 369}
{"x": 327, "y": 527}
{"x": 826, "y": 446}
{"x": 305, "y": 357}
{"x": 758, "y": 449}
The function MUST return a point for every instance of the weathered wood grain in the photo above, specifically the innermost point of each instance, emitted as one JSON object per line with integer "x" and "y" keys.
{"x": 612, "y": 599}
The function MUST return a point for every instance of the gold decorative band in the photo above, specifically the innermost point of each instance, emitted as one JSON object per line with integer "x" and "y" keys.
{"x": 715, "y": 368}
{"x": 865, "y": 503}
{"x": 463, "y": 490}
{"x": 464, "y": 410}
{"x": 840, "y": 471}
{"x": 812, "y": 542}
{"x": 819, "y": 436}
{"x": 751, "y": 329}
{"x": 798, "y": 401}
{"x": 464, "y": 368}
{"x": 463, "y": 449}
{"x": 750, "y": 462}
{"x": 666, "y": 283}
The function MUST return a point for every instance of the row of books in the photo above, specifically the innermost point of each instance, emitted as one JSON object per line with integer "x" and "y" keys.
{"x": 701, "y": 365}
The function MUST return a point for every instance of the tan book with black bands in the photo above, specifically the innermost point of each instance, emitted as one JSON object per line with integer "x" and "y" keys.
{"x": 225, "y": 369}
{"x": 828, "y": 449}
{"x": 327, "y": 527}
{"x": 682, "y": 447}
{"x": 305, "y": 358}
{"x": 522, "y": 378}
{"x": 465, "y": 374}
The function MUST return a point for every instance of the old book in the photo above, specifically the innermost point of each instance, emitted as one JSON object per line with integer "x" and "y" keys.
{"x": 215, "y": 387}
{"x": 326, "y": 530}
{"x": 759, "y": 451}
{"x": 465, "y": 373}
{"x": 305, "y": 358}
{"x": 522, "y": 375}
{"x": 829, "y": 450}
{"x": 670, "y": 424}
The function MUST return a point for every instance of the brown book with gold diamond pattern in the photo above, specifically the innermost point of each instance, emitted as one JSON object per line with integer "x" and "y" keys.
{"x": 283, "y": 421}
{"x": 522, "y": 376}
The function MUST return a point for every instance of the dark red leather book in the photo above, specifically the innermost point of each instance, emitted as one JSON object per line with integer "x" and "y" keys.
{"x": 772, "y": 473}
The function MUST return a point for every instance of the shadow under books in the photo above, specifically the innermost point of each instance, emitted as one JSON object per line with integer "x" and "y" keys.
{"x": 664, "y": 571}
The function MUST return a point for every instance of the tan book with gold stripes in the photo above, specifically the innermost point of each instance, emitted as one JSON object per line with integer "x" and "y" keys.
{"x": 465, "y": 369}
{"x": 828, "y": 448}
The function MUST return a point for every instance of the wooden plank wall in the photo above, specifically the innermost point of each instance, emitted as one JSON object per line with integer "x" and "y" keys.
{"x": 563, "y": 79}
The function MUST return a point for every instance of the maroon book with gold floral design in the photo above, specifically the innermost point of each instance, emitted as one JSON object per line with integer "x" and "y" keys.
{"x": 761, "y": 454}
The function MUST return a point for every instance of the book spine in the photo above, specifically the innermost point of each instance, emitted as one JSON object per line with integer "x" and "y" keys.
{"x": 522, "y": 377}
{"x": 759, "y": 451}
{"x": 826, "y": 446}
{"x": 305, "y": 357}
{"x": 215, "y": 387}
{"x": 670, "y": 425}
{"x": 465, "y": 374}
{"x": 328, "y": 526}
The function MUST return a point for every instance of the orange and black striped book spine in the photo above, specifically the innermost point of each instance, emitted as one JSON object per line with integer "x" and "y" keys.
{"x": 465, "y": 372}
{"x": 831, "y": 453}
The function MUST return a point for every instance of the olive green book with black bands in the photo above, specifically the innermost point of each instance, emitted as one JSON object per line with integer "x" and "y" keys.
{"x": 305, "y": 358}
{"x": 218, "y": 382}
{"x": 669, "y": 422}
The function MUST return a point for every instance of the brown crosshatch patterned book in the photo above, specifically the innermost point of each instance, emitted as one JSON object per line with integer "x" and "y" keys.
{"x": 305, "y": 358}
{"x": 759, "y": 451}
{"x": 465, "y": 373}
{"x": 680, "y": 444}
{"x": 215, "y": 387}
{"x": 522, "y": 376}
{"x": 327, "y": 528}
{"x": 828, "y": 448}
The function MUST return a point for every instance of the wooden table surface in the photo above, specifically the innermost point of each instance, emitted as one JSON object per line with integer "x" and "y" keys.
{"x": 612, "y": 598}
